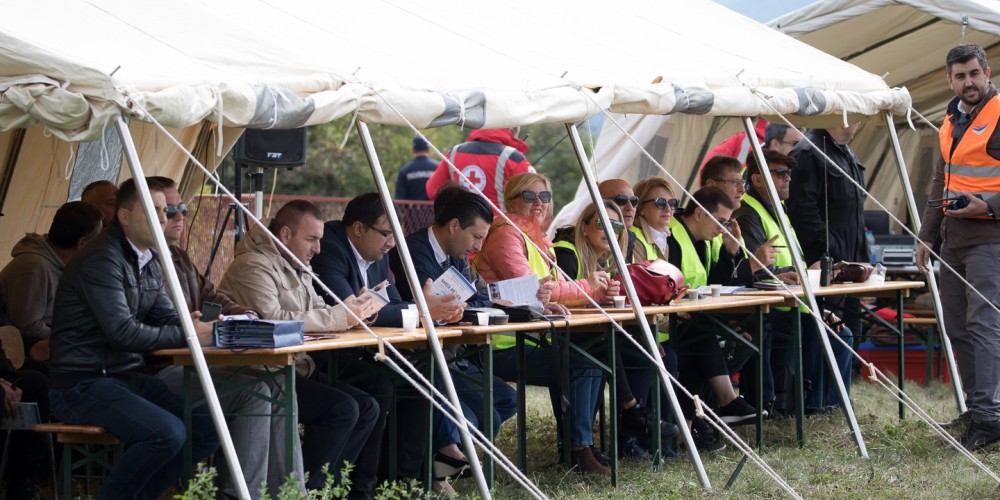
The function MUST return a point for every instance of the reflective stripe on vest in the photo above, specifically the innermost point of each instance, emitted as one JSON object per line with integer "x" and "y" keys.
{"x": 572, "y": 248}
{"x": 782, "y": 258}
{"x": 498, "y": 177}
{"x": 970, "y": 169}
{"x": 641, "y": 238}
{"x": 692, "y": 265}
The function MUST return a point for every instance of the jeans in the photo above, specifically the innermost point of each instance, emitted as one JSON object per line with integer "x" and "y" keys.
{"x": 585, "y": 382}
{"x": 468, "y": 382}
{"x": 148, "y": 419}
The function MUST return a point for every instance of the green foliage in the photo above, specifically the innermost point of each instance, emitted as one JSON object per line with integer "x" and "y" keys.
{"x": 202, "y": 486}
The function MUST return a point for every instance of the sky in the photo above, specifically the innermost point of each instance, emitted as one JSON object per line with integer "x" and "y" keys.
{"x": 764, "y": 10}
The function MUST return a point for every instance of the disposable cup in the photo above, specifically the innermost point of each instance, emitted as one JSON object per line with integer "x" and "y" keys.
{"x": 814, "y": 275}
{"x": 716, "y": 290}
{"x": 483, "y": 318}
{"x": 619, "y": 301}
{"x": 409, "y": 320}
{"x": 693, "y": 294}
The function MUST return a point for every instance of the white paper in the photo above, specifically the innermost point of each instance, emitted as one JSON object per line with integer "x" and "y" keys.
{"x": 452, "y": 281}
{"x": 25, "y": 417}
{"x": 706, "y": 290}
{"x": 519, "y": 291}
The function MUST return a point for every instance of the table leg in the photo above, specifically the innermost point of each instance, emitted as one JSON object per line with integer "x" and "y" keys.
{"x": 522, "y": 431}
{"x": 901, "y": 356}
{"x": 489, "y": 466}
{"x": 613, "y": 397}
{"x": 759, "y": 321}
{"x": 188, "y": 445}
{"x": 290, "y": 408}
{"x": 800, "y": 400}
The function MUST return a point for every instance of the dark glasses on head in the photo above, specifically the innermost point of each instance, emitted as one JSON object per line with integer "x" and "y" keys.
{"x": 622, "y": 200}
{"x": 663, "y": 203}
{"x": 616, "y": 225}
{"x": 531, "y": 196}
{"x": 173, "y": 210}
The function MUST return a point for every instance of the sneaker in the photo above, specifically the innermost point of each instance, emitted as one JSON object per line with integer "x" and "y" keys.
{"x": 964, "y": 418}
{"x": 635, "y": 422}
{"x": 981, "y": 435}
{"x": 585, "y": 463}
{"x": 629, "y": 449}
{"x": 600, "y": 457}
{"x": 738, "y": 412}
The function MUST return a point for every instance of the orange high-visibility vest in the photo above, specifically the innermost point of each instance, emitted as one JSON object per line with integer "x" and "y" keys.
{"x": 969, "y": 168}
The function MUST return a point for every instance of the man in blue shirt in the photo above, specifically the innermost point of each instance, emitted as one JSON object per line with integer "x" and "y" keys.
{"x": 412, "y": 178}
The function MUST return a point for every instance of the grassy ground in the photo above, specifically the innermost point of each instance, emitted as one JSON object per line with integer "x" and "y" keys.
{"x": 906, "y": 459}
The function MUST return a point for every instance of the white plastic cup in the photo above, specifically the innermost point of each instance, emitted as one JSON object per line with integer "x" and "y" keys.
{"x": 483, "y": 318}
{"x": 693, "y": 294}
{"x": 619, "y": 301}
{"x": 409, "y": 320}
{"x": 716, "y": 290}
{"x": 814, "y": 275}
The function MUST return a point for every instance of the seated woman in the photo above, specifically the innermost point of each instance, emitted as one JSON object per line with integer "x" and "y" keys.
{"x": 652, "y": 219}
{"x": 507, "y": 254}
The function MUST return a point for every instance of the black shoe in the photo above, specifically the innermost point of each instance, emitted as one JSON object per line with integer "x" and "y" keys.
{"x": 738, "y": 412}
{"x": 704, "y": 437}
{"x": 964, "y": 418}
{"x": 600, "y": 457}
{"x": 446, "y": 467}
{"x": 629, "y": 449}
{"x": 981, "y": 435}
{"x": 634, "y": 422}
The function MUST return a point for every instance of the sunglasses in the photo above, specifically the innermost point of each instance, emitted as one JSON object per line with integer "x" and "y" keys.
{"x": 782, "y": 172}
{"x": 616, "y": 225}
{"x": 622, "y": 200}
{"x": 531, "y": 196}
{"x": 663, "y": 203}
{"x": 173, "y": 210}
{"x": 726, "y": 223}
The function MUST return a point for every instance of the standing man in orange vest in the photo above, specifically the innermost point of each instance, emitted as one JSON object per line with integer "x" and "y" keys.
{"x": 962, "y": 209}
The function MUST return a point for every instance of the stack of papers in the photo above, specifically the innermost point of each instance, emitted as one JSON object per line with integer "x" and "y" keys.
{"x": 256, "y": 333}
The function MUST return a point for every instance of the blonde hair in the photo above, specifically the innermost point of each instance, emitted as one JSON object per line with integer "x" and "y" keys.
{"x": 587, "y": 258}
{"x": 644, "y": 187}
{"x": 522, "y": 182}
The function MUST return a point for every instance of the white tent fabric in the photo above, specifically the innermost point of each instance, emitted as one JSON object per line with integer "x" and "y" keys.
{"x": 203, "y": 66}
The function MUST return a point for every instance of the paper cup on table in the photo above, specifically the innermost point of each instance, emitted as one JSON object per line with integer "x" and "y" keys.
{"x": 716, "y": 290}
{"x": 814, "y": 275}
{"x": 693, "y": 294}
{"x": 483, "y": 318}
{"x": 409, "y": 320}
{"x": 619, "y": 301}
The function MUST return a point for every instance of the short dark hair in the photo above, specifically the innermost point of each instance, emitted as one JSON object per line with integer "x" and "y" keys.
{"x": 291, "y": 213}
{"x": 774, "y": 132}
{"x": 771, "y": 157}
{"x": 962, "y": 54}
{"x": 89, "y": 190}
{"x": 74, "y": 220}
{"x": 163, "y": 182}
{"x": 717, "y": 165}
{"x": 366, "y": 208}
{"x": 466, "y": 206}
{"x": 128, "y": 194}
{"x": 711, "y": 198}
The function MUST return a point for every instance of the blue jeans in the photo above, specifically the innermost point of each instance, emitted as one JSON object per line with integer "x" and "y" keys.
{"x": 820, "y": 388}
{"x": 585, "y": 382}
{"x": 469, "y": 386}
{"x": 148, "y": 419}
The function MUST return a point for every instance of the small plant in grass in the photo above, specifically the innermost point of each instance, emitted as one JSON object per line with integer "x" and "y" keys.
{"x": 202, "y": 486}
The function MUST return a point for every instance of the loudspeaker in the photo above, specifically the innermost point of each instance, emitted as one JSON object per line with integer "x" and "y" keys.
{"x": 272, "y": 148}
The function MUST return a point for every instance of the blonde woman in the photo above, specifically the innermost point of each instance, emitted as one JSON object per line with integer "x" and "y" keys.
{"x": 651, "y": 227}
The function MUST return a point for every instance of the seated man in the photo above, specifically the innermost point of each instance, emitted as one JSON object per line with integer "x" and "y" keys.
{"x": 337, "y": 421}
{"x": 101, "y": 194}
{"x": 28, "y": 282}
{"x": 351, "y": 260}
{"x": 110, "y": 308}
{"x": 461, "y": 222}
{"x": 701, "y": 361}
{"x": 28, "y": 449}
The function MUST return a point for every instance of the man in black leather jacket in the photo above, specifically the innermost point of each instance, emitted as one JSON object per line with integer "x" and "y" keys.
{"x": 110, "y": 308}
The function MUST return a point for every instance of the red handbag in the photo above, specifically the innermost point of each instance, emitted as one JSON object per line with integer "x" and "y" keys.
{"x": 657, "y": 282}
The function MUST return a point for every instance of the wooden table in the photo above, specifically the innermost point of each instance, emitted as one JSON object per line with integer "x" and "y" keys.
{"x": 283, "y": 357}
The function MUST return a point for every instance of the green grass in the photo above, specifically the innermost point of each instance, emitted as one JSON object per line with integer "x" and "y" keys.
{"x": 907, "y": 460}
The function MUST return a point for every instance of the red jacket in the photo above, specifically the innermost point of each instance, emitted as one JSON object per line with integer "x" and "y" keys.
{"x": 735, "y": 145}
{"x": 479, "y": 159}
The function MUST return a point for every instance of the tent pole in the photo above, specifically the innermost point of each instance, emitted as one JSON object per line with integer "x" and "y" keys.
{"x": 800, "y": 268}
{"x": 174, "y": 289}
{"x": 651, "y": 346}
{"x": 915, "y": 222}
{"x": 425, "y": 315}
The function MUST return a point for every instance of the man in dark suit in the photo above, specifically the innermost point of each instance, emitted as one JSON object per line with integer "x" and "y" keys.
{"x": 351, "y": 260}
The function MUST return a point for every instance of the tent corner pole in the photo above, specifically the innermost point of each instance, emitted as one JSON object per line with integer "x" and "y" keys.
{"x": 187, "y": 324}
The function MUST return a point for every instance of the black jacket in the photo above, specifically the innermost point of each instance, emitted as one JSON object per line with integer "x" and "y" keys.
{"x": 818, "y": 189}
{"x": 336, "y": 266}
{"x": 427, "y": 267}
{"x": 107, "y": 313}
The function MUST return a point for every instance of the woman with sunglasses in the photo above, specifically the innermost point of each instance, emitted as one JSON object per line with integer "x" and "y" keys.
{"x": 508, "y": 253}
{"x": 651, "y": 226}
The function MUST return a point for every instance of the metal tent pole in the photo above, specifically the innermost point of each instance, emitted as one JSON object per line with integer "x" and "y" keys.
{"x": 591, "y": 182}
{"x": 915, "y": 222}
{"x": 174, "y": 289}
{"x": 800, "y": 268}
{"x": 418, "y": 296}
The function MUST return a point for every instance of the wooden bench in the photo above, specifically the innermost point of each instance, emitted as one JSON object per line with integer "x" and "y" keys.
{"x": 79, "y": 439}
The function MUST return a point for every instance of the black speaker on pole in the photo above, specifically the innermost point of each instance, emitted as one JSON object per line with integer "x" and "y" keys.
{"x": 272, "y": 147}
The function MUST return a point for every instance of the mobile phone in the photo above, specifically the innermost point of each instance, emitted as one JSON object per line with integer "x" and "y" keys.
{"x": 210, "y": 311}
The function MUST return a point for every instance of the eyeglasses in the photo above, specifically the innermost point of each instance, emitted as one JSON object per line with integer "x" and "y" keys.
{"x": 385, "y": 234}
{"x": 726, "y": 223}
{"x": 663, "y": 203}
{"x": 782, "y": 172}
{"x": 616, "y": 225}
{"x": 173, "y": 210}
{"x": 622, "y": 200}
{"x": 736, "y": 183}
{"x": 531, "y": 196}
{"x": 790, "y": 143}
